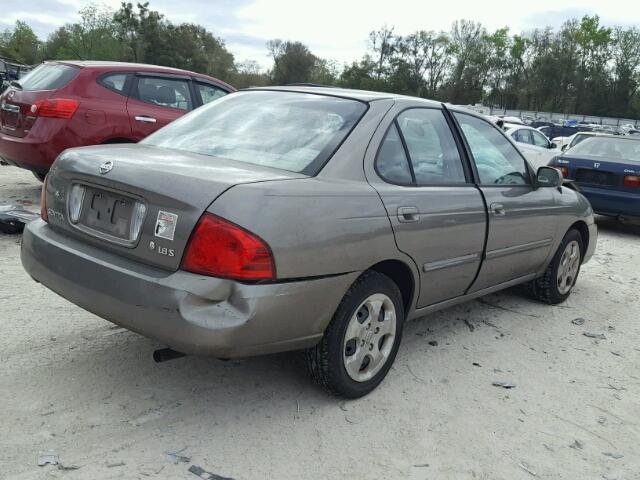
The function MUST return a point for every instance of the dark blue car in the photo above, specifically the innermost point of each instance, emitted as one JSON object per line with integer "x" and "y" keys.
{"x": 607, "y": 171}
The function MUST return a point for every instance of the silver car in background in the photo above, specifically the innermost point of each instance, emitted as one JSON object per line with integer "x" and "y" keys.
{"x": 306, "y": 218}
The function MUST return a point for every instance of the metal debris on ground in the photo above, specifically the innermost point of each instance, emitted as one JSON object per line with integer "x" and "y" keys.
{"x": 14, "y": 217}
{"x": 527, "y": 469}
{"x": 48, "y": 458}
{"x": 176, "y": 458}
{"x": 506, "y": 385}
{"x": 577, "y": 445}
{"x": 615, "y": 456}
{"x": 578, "y": 321}
{"x": 200, "y": 472}
{"x": 598, "y": 336}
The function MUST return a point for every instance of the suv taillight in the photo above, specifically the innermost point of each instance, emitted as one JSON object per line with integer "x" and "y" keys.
{"x": 55, "y": 108}
{"x": 43, "y": 200}
{"x": 219, "y": 248}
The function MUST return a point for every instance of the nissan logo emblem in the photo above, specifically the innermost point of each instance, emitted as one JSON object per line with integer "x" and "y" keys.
{"x": 106, "y": 167}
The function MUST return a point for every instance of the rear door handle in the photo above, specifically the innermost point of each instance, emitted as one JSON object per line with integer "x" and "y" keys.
{"x": 145, "y": 119}
{"x": 498, "y": 209}
{"x": 408, "y": 214}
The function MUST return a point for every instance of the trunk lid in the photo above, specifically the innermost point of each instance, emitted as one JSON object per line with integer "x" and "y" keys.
{"x": 599, "y": 171}
{"x": 175, "y": 188}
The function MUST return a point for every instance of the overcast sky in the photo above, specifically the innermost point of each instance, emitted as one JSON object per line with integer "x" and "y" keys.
{"x": 333, "y": 29}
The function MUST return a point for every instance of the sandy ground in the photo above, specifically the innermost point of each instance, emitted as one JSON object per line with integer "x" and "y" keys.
{"x": 73, "y": 383}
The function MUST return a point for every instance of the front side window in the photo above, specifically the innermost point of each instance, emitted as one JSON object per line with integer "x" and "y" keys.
{"x": 539, "y": 140}
{"x": 165, "y": 92}
{"x": 522, "y": 136}
{"x": 209, "y": 93}
{"x": 497, "y": 160}
{"x": 292, "y": 131}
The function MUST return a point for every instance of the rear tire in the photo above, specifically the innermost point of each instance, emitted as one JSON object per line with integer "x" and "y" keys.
{"x": 555, "y": 285}
{"x": 362, "y": 340}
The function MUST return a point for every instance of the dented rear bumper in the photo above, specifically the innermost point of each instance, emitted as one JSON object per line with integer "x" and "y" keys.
{"x": 190, "y": 313}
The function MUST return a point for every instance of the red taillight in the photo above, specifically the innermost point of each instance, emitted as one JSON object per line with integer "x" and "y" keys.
{"x": 55, "y": 108}
{"x": 43, "y": 200}
{"x": 564, "y": 171}
{"x": 220, "y": 248}
{"x": 632, "y": 181}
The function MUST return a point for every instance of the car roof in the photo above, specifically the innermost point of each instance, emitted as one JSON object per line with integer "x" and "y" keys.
{"x": 361, "y": 95}
{"x": 516, "y": 126}
{"x": 139, "y": 67}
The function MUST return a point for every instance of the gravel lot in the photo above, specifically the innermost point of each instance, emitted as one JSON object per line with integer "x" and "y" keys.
{"x": 76, "y": 384}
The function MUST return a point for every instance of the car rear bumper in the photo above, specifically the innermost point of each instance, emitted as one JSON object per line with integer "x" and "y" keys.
{"x": 611, "y": 202}
{"x": 190, "y": 313}
{"x": 37, "y": 150}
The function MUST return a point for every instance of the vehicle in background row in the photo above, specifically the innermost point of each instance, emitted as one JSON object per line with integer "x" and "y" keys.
{"x": 304, "y": 218}
{"x": 66, "y": 104}
{"x": 535, "y": 146}
{"x": 607, "y": 170}
{"x": 568, "y": 142}
{"x": 562, "y": 131}
{"x": 11, "y": 71}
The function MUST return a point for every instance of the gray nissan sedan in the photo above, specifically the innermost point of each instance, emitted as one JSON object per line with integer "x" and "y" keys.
{"x": 310, "y": 218}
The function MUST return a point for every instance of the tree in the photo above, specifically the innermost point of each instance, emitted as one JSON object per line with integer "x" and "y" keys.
{"x": 20, "y": 44}
{"x": 292, "y": 62}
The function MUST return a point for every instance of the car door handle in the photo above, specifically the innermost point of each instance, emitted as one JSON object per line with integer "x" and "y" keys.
{"x": 498, "y": 209}
{"x": 145, "y": 119}
{"x": 408, "y": 214}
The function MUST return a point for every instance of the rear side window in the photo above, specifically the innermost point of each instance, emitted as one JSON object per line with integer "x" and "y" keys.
{"x": 431, "y": 156}
{"x": 392, "y": 164}
{"x": 165, "y": 92}
{"x": 48, "y": 77}
{"x": 497, "y": 160}
{"x": 114, "y": 81}
{"x": 209, "y": 93}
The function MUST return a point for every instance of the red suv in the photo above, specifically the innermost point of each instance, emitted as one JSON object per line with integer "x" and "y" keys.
{"x": 63, "y": 104}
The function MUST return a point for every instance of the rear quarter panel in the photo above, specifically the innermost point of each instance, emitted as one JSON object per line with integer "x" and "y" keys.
{"x": 315, "y": 227}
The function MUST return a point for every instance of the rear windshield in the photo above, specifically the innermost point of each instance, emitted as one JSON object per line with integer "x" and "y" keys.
{"x": 611, "y": 148}
{"x": 48, "y": 77}
{"x": 291, "y": 131}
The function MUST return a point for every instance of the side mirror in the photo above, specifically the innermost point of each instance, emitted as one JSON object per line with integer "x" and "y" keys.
{"x": 553, "y": 145}
{"x": 549, "y": 177}
{"x": 564, "y": 147}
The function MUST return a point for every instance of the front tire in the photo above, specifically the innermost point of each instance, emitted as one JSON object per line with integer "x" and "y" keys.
{"x": 362, "y": 340}
{"x": 555, "y": 285}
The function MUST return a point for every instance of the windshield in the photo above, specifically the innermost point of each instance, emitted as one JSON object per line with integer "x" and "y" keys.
{"x": 48, "y": 77}
{"x": 290, "y": 131}
{"x": 611, "y": 148}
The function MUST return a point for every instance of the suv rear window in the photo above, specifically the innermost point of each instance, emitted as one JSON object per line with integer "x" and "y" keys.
{"x": 291, "y": 131}
{"x": 48, "y": 77}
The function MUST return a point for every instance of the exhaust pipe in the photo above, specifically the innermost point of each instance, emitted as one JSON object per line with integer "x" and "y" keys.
{"x": 166, "y": 354}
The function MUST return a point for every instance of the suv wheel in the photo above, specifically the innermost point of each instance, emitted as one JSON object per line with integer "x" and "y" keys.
{"x": 361, "y": 342}
{"x": 555, "y": 285}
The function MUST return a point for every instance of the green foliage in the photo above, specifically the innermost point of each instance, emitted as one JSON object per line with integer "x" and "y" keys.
{"x": 583, "y": 67}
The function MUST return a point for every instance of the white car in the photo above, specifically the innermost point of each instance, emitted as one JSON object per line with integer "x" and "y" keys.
{"x": 535, "y": 146}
